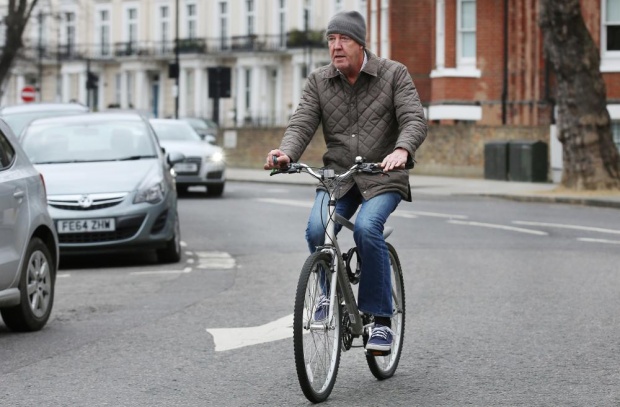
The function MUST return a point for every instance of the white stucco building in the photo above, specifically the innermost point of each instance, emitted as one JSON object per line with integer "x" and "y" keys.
{"x": 129, "y": 46}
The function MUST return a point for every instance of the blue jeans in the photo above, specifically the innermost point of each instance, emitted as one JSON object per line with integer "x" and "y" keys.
{"x": 375, "y": 289}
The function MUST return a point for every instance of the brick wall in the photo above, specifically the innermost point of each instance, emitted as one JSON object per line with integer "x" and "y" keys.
{"x": 448, "y": 150}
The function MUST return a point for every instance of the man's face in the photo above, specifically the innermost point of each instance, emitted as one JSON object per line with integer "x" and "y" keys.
{"x": 346, "y": 54}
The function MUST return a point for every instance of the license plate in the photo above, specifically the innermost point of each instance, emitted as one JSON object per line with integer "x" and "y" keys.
{"x": 85, "y": 225}
{"x": 186, "y": 167}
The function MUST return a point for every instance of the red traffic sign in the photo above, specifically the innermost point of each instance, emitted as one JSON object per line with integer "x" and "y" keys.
{"x": 29, "y": 94}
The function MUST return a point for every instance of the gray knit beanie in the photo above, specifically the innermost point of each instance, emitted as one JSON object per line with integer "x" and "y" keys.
{"x": 349, "y": 23}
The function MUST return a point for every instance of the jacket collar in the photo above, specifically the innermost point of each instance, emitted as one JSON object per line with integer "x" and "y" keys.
{"x": 371, "y": 67}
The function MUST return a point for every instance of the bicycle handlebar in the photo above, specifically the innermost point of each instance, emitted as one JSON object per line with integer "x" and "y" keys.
{"x": 329, "y": 174}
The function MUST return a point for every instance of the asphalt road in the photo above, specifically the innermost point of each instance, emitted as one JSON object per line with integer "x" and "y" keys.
{"x": 508, "y": 304}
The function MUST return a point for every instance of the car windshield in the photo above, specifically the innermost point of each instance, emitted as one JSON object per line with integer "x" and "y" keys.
{"x": 175, "y": 131}
{"x": 202, "y": 124}
{"x": 47, "y": 143}
{"x": 17, "y": 121}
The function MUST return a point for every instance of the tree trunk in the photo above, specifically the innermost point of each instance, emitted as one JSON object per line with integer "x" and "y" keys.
{"x": 591, "y": 160}
{"x": 17, "y": 17}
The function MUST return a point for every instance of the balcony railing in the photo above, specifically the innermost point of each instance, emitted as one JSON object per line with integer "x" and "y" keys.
{"x": 165, "y": 49}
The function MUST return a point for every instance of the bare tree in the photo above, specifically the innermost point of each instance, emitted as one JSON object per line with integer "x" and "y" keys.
{"x": 18, "y": 14}
{"x": 591, "y": 160}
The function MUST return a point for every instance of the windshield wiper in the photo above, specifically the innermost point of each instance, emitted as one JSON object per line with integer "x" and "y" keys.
{"x": 62, "y": 162}
{"x": 135, "y": 157}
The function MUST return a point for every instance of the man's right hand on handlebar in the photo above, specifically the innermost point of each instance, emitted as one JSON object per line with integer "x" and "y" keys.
{"x": 277, "y": 159}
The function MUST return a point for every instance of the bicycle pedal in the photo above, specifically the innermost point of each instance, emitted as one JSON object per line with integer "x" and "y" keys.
{"x": 373, "y": 352}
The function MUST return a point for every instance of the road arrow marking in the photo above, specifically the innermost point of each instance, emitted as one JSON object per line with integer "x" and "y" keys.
{"x": 234, "y": 338}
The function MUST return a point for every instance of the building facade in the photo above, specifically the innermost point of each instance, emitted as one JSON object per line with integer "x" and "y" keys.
{"x": 482, "y": 61}
{"x": 474, "y": 61}
{"x": 252, "y": 56}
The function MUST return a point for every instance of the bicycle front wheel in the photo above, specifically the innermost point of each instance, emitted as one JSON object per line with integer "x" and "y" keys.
{"x": 316, "y": 341}
{"x": 383, "y": 367}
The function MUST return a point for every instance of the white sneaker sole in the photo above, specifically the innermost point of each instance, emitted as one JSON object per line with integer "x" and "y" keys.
{"x": 380, "y": 348}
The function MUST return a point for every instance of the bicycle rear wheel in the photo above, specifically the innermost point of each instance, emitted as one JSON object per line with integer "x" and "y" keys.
{"x": 383, "y": 367}
{"x": 316, "y": 344}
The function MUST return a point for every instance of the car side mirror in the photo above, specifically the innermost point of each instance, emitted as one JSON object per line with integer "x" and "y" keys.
{"x": 209, "y": 138}
{"x": 174, "y": 157}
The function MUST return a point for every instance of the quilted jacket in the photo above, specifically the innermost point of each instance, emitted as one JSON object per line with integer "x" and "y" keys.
{"x": 380, "y": 112}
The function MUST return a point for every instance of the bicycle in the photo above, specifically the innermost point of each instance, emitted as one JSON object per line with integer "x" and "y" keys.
{"x": 318, "y": 344}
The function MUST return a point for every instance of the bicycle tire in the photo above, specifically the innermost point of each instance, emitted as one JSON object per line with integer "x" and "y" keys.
{"x": 383, "y": 367}
{"x": 317, "y": 350}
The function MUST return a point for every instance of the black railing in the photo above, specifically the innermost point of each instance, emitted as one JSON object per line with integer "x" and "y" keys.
{"x": 165, "y": 49}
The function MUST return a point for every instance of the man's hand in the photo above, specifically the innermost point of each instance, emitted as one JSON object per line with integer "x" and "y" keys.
{"x": 396, "y": 160}
{"x": 282, "y": 160}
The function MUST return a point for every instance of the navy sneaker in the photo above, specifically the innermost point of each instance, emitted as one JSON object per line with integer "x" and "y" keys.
{"x": 380, "y": 339}
{"x": 321, "y": 311}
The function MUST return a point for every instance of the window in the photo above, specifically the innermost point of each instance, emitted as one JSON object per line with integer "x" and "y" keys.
{"x": 250, "y": 16}
{"x": 385, "y": 29}
{"x": 103, "y": 32}
{"x": 337, "y": 6}
{"x": 118, "y": 86}
{"x": 361, "y": 6}
{"x": 132, "y": 27}
{"x": 248, "y": 89}
{"x": 191, "y": 21}
{"x": 223, "y": 6}
{"x": 6, "y": 152}
{"x": 164, "y": 27}
{"x": 282, "y": 22}
{"x": 615, "y": 131}
{"x": 611, "y": 26}
{"x": 70, "y": 32}
{"x": 466, "y": 32}
{"x": 130, "y": 85}
{"x": 374, "y": 23}
{"x": 610, "y": 36}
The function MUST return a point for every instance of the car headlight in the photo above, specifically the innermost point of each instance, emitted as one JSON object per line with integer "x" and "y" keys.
{"x": 151, "y": 194}
{"x": 217, "y": 157}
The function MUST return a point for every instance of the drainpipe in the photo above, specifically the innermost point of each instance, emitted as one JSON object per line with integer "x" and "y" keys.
{"x": 505, "y": 76}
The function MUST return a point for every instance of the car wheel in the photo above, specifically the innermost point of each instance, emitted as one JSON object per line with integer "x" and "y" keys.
{"x": 36, "y": 287}
{"x": 172, "y": 252}
{"x": 215, "y": 190}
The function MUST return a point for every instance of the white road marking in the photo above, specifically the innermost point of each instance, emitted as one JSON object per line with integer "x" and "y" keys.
{"x": 290, "y": 202}
{"x": 234, "y": 338}
{"x": 587, "y": 239}
{"x": 63, "y": 275}
{"x": 563, "y": 226}
{"x": 185, "y": 270}
{"x": 215, "y": 260}
{"x": 415, "y": 214}
{"x": 403, "y": 214}
{"x": 503, "y": 227}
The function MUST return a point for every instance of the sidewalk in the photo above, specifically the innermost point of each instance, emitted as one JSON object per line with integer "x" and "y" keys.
{"x": 433, "y": 185}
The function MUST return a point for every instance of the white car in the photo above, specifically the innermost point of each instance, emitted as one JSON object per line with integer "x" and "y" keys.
{"x": 28, "y": 241}
{"x": 204, "y": 162}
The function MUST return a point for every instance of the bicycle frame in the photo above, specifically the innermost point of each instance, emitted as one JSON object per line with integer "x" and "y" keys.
{"x": 339, "y": 277}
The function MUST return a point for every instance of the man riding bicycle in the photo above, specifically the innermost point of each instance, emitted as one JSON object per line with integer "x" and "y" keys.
{"x": 369, "y": 107}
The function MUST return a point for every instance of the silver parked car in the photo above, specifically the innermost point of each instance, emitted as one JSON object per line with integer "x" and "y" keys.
{"x": 109, "y": 183}
{"x": 204, "y": 162}
{"x": 18, "y": 116}
{"x": 28, "y": 241}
